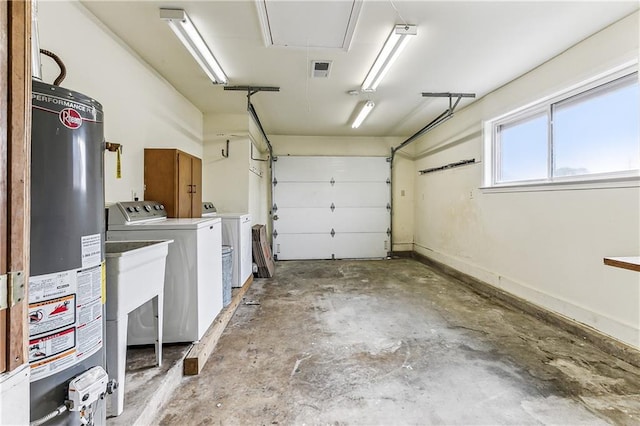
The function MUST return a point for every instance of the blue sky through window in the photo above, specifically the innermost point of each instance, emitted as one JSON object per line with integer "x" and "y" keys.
{"x": 524, "y": 150}
{"x": 598, "y": 135}
{"x": 595, "y": 132}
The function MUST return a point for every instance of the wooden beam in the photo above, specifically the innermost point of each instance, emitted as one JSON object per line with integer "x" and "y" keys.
{"x": 18, "y": 184}
{"x": 4, "y": 89}
{"x": 200, "y": 351}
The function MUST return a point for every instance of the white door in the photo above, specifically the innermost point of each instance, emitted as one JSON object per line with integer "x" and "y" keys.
{"x": 331, "y": 207}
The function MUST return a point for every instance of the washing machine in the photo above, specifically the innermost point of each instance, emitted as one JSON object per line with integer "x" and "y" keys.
{"x": 208, "y": 209}
{"x": 193, "y": 276}
{"x": 236, "y": 232}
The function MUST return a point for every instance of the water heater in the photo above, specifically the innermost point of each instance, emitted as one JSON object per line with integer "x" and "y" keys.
{"x": 67, "y": 270}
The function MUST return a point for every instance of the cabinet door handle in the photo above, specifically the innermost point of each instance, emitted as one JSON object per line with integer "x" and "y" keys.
{"x": 194, "y": 189}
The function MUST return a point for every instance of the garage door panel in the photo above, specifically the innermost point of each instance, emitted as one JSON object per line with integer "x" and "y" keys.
{"x": 323, "y": 169}
{"x": 303, "y": 220}
{"x": 348, "y": 245}
{"x": 303, "y": 246}
{"x": 360, "y": 245}
{"x": 310, "y": 220}
{"x": 304, "y": 190}
{"x": 346, "y": 194}
{"x": 298, "y": 194}
{"x": 366, "y": 194}
{"x": 375, "y": 219}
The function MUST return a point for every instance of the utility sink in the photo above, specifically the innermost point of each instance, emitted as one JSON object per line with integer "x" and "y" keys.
{"x": 135, "y": 275}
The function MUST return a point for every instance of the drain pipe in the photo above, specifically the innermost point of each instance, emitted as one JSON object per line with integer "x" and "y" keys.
{"x": 446, "y": 115}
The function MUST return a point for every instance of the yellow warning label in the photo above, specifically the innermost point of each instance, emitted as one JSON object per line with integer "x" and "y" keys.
{"x": 119, "y": 163}
{"x": 104, "y": 283}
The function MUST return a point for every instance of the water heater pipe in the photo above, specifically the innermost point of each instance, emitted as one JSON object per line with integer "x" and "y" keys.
{"x": 63, "y": 69}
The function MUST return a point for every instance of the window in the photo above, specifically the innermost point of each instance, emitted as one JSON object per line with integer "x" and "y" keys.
{"x": 590, "y": 133}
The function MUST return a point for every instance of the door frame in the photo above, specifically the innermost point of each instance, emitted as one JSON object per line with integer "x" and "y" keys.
{"x": 15, "y": 143}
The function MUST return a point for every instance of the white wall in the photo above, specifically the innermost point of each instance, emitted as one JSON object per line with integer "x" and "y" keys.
{"x": 236, "y": 183}
{"x": 402, "y": 176}
{"x": 225, "y": 180}
{"x": 140, "y": 108}
{"x": 546, "y": 247}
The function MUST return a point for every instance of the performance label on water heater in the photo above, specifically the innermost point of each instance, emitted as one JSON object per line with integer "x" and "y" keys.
{"x": 65, "y": 319}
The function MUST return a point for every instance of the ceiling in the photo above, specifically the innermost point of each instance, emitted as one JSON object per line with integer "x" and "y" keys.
{"x": 472, "y": 47}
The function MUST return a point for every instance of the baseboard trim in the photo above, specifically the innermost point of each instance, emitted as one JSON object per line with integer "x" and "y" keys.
{"x": 404, "y": 254}
{"x": 602, "y": 341}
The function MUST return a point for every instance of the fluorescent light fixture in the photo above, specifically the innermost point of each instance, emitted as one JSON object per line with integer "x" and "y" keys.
{"x": 365, "y": 109}
{"x": 392, "y": 48}
{"x": 188, "y": 34}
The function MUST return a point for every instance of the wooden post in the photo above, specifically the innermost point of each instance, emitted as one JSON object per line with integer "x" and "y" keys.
{"x": 18, "y": 142}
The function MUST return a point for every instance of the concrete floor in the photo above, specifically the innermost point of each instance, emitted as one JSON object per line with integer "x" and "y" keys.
{"x": 394, "y": 342}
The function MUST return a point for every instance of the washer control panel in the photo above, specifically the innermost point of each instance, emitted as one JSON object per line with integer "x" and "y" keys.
{"x": 124, "y": 212}
{"x": 208, "y": 209}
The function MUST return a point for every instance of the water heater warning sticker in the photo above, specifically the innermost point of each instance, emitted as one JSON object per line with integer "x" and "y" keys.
{"x": 91, "y": 250}
{"x": 65, "y": 319}
{"x": 51, "y": 315}
{"x": 51, "y": 353}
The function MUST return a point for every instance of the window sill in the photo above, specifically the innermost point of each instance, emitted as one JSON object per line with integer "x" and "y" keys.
{"x": 623, "y": 182}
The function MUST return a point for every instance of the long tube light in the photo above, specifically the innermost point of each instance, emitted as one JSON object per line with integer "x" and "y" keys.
{"x": 188, "y": 34}
{"x": 392, "y": 48}
{"x": 365, "y": 109}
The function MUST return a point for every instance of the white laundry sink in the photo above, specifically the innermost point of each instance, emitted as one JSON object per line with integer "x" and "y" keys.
{"x": 135, "y": 275}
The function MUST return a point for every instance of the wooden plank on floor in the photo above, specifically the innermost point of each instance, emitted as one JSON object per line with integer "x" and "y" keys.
{"x": 200, "y": 351}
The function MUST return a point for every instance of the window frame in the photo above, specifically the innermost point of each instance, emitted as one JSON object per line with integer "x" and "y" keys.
{"x": 584, "y": 89}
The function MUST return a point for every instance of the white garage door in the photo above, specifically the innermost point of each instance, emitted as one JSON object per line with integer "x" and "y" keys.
{"x": 331, "y": 207}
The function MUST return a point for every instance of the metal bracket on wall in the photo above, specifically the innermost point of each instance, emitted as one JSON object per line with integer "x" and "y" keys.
{"x": 447, "y": 114}
{"x": 258, "y": 159}
{"x": 448, "y": 166}
{"x": 113, "y": 147}
{"x": 225, "y": 154}
{"x": 252, "y": 90}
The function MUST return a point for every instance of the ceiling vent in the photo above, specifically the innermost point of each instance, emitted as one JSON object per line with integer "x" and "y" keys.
{"x": 320, "y": 69}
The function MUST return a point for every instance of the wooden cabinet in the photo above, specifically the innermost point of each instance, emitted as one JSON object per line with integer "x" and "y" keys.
{"x": 173, "y": 178}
